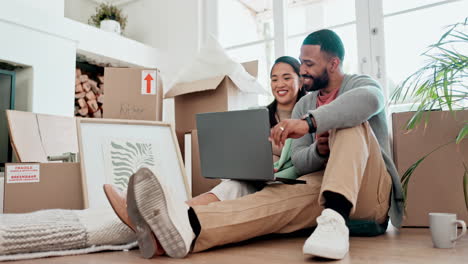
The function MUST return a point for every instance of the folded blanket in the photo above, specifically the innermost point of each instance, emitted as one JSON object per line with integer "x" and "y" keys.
{"x": 62, "y": 232}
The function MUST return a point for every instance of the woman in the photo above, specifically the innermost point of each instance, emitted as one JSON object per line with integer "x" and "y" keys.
{"x": 286, "y": 88}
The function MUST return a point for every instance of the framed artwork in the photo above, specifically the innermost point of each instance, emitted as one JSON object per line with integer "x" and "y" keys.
{"x": 111, "y": 150}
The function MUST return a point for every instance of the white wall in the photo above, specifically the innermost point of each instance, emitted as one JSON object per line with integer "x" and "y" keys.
{"x": 173, "y": 28}
{"x": 50, "y": 7}
{"x": 79, "y": 10}
{"x": 49, "y": 91}
{"x": 47, "y": 46}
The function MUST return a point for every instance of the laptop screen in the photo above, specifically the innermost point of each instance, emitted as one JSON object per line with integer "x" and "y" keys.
{"x": 234, "y": 145}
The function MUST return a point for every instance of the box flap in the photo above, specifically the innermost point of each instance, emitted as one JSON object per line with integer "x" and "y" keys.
{"x": 25, "y": 136}
{"x": 36, "y": 136}
{"x": 58, "y": 134}
{"x": 195, "y": 86}
{"x": 251, "y": 67}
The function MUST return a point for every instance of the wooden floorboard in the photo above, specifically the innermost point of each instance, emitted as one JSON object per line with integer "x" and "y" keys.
{"x": 407, "y": 246}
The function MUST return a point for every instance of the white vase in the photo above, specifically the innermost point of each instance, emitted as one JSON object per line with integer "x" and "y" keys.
{"x": 110, "y": 25}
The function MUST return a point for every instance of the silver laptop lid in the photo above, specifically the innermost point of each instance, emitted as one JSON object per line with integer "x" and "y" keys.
{"x": 234, "y": 145}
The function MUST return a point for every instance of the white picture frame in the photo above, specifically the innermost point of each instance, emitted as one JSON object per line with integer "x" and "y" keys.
{"x": 112, "y": 149}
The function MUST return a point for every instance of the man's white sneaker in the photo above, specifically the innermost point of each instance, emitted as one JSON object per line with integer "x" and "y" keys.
{"x": 331, "y": 237}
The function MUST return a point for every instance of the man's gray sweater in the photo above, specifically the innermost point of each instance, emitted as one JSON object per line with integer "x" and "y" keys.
{"x": 360, "y": 99}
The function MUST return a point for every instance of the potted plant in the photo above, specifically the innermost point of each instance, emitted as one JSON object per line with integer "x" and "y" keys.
{"x": 441, "y": 84}
{"x": 109, "y": 18}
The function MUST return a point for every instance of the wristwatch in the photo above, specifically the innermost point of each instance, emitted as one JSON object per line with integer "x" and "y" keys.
{"x": 308, "y": 118}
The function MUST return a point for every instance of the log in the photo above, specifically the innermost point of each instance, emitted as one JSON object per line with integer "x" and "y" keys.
{"x": 96, "y": 90}
{"x": 86, "y": 86}
{"x": 84, "y": 78}
{"x": 93, "y": 106}
{"x": 83, "y": 111}
{"x": 78, "y": 88}
{"x": 82, "y": 103}
{"x": 90, "y": 96}
{"x": 80, "y": 95}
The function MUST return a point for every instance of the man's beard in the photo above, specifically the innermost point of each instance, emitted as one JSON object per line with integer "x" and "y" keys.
{"x": 318, "y": 82}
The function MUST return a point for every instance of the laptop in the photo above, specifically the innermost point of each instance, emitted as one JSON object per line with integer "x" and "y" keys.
{"x": 234, "y": 145}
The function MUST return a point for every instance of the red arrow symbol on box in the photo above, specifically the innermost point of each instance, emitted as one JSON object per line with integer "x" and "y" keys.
{"x": 148, "y": 80}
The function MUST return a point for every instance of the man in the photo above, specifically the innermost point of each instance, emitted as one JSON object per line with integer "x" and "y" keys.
{"x": 341, "y": 148}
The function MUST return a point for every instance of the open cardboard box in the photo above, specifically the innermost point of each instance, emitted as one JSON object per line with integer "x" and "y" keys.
{"x": 51, "y": 185}
{"x": 215, "y": 94}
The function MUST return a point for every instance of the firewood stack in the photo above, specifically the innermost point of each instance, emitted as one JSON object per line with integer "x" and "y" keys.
{"x": 89, "y": 94}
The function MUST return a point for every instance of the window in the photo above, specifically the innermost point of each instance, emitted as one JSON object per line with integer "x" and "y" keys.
{"x": 382, "y": 38}
{"x": 410, "y": 28}
{"x": 246, "y": 31}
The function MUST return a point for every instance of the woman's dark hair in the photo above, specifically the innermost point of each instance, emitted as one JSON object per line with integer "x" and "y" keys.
{"x": 273, "y": 106}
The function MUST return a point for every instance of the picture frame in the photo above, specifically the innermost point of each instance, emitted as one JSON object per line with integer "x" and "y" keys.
{"x": 111, "y": 150}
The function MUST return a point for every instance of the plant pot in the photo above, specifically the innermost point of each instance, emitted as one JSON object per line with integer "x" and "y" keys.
{"x": 110, "y": 25}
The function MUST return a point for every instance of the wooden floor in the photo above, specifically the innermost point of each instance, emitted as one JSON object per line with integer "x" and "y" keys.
{"x": 407, "y": 246}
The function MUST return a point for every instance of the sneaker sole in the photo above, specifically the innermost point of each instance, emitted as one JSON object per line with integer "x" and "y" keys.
{"x": 145, "y": 238}
{"x": 151, "y": 204}
{"x": 323, "y": 254}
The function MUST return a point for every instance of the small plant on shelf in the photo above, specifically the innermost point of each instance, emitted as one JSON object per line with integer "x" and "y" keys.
{"x": 109, "y": 17}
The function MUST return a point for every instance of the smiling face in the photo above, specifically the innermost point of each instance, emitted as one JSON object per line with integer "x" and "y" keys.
{"x": 285, "y": 84}
{"x": 314, "y": 67}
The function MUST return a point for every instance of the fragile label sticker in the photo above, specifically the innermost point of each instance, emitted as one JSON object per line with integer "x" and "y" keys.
{"x": 148, "y": 82}
{"x": 23, "y": 173}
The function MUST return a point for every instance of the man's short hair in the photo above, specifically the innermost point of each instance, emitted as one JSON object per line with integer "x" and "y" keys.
{"x": 328, "y": 41}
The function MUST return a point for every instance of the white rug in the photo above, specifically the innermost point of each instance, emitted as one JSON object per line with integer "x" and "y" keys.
{"x": 62, "y": 232}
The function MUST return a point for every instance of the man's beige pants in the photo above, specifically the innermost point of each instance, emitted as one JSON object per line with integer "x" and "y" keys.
{"x": 355, "y": 169}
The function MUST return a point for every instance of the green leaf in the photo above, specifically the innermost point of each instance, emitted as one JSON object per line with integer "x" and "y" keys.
{"x": 406, "y": 177}
{"x": 462, "y": 134}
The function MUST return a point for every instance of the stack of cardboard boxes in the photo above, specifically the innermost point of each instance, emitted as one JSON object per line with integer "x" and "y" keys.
{"x": 34, "y": 183}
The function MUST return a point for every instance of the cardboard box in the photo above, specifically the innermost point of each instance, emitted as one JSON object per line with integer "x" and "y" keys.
{"x": 437, "y": 184}
{"x": 36, "y": 136}
{"x": 133, "y": 93}
{"x": 199, "y": 184}
{"x": 216, "y": 94}
{"x": 30, "y": 187}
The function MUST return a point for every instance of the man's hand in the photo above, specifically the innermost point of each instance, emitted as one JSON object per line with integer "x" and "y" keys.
{"x": 289, "y": 128}
{"x": 322, "y": 144}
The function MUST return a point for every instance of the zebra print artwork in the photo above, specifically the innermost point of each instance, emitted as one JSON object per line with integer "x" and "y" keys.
{"x": 126, "y": 158}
